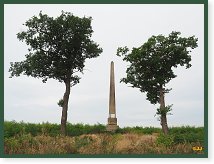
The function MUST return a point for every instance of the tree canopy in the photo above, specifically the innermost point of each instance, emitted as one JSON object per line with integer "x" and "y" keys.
{"x": 58, "y": 47}
{"x": 151, "y": 65}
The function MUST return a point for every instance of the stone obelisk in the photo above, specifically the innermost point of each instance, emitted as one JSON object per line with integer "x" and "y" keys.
{"x": 112, "y": 120}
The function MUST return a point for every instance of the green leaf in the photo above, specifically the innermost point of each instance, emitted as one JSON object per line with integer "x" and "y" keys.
{"x": 151, "y": 65}
{"x": 58, "y": 47}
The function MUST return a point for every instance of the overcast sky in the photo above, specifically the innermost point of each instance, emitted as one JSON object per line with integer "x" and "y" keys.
{"x": 30, "y": 100}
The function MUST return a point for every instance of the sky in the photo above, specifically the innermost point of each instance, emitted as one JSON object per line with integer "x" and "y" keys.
{"x": 28, "y": 99}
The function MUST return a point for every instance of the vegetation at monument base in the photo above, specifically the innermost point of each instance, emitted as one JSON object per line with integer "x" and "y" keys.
{"x": 45, "y": 138}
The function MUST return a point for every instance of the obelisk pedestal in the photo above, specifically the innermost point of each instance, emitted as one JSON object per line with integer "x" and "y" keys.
{"x": 112, "y": 120}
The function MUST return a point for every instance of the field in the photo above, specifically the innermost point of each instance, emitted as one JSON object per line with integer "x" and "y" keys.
{"x": 45, "y": 138}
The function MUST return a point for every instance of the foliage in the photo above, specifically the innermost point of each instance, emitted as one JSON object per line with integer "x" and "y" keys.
{"x": 187, "y": 134}
{"x": 166, "y": 140}
{"x": 164, "y": 111}
{"x": 12, "y": 128}
{"x": 78, "y": 129}
{"x": 60, "y": 102}
{"x": 45, "y": 138}
{"x": 151, "y": 65}
{"x": 180, "y": 134}
{"x": 139, "y": 130}
{"x": 58, "y": 47}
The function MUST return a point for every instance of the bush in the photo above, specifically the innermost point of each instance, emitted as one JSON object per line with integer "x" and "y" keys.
{"x": 138, "y": 130}
{"x": 187, "y": 134}
{"x": 79, "y": 129}
{"x": 12, "y": 128}
{"x": 166, "y": 140}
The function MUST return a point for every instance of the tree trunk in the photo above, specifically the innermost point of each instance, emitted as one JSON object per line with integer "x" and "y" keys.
{"x": 65, "y": 107}
{"x": 163, "y": 115}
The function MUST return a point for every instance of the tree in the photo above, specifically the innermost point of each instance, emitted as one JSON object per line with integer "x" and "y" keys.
{"x": 151, "y": 67}
{"x": 58, "y": 50}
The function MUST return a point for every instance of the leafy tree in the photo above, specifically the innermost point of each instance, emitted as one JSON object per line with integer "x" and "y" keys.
{"x": 151, "y": 67}
{"x": 58, "y": 50}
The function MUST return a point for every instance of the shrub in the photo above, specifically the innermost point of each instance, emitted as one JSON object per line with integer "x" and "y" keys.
{"x": 166, "y": 140}
{"x": 187, "y": 134}
{"x": 138, "y": 130}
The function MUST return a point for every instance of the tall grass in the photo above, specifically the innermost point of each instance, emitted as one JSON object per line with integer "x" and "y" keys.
{"x": 105, "y": 143}
{"x": 45, "y": 138}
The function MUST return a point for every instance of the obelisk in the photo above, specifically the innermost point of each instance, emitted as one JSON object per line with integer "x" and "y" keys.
{"x": 112, "y": 120}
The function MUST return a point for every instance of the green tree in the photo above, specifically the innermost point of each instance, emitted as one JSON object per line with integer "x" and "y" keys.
{"x": 58, "y": 50}
{"x": 151, "y": 67}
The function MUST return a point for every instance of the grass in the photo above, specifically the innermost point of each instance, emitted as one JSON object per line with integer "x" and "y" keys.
{"x": 27, "y": 138}
{"x": 12, "y": 128}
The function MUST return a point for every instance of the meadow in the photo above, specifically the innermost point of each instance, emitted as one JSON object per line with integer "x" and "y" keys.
{"x": 45, "y": 138}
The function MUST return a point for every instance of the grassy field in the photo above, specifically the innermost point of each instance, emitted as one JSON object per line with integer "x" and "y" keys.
{"x": 45, "y": 138}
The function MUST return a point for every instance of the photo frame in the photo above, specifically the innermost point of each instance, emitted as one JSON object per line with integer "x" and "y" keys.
{"x": 109, "y": 155}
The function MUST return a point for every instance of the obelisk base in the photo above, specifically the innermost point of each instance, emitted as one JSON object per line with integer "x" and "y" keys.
{"x": 112, "y": 121}
{"x": 111, "y": 128}
{"x": 112, "y": 125}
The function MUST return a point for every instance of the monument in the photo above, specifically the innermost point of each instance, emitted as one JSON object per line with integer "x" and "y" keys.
{"x": 112, "y": 120}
